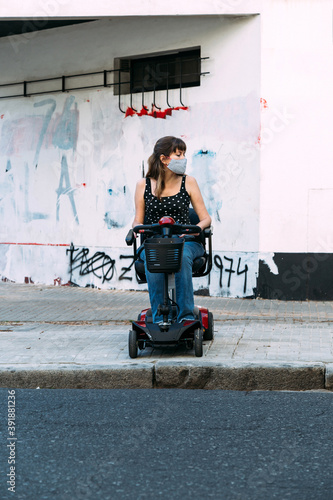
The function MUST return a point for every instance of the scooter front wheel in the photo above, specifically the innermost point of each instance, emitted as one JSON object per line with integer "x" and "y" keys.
{"x": 133, "y": 344}
{"x": 198, "y": 350}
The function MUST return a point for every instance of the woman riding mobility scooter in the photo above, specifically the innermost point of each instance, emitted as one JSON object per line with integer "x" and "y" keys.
{"x": 164, "y": 249}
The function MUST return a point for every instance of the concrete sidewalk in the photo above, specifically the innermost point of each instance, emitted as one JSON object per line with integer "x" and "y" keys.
{"x": 59, "y": 336}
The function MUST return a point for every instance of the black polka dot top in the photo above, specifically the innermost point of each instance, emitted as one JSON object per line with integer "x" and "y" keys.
{"x": 176, "y": 206}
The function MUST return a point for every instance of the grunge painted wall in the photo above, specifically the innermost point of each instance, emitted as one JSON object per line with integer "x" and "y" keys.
{"x": 296, "y": 178}
{"x": 70, "y": 161}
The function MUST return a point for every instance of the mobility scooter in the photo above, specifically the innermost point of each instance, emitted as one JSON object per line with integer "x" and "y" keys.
{"x": 164, "y": 249}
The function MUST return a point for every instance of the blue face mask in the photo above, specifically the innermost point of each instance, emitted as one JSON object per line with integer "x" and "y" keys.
{"x": 178, "y": 166}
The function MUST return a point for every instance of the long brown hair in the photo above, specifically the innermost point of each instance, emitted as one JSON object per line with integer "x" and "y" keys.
{"x": 164, "y": 146}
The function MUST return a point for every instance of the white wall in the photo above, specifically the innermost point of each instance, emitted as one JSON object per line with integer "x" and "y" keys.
{"x": 296, "y": 151}
{"x": 70, "y": 159}
{"x": 296, "y": 82}
{"x": 101, "y": 8}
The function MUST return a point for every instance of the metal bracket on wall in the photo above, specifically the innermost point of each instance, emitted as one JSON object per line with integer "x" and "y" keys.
{"x": 69, "y": 83}
{"x": 64, "y": 84}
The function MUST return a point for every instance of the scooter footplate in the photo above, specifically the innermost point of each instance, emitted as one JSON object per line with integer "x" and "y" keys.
{"x": 171, "y": 336}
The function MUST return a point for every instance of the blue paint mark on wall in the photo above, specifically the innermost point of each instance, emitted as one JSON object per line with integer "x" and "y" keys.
{"x": 66, "y": 132}
{"x": 29, "y": 216}
{"x": 202, "y": 152}
{"x": 118, "y": 204}
{"x": 65, "y": 188}
{"x": 7, "y": 195}
{"x": 47, "y": 119}
{"x": 204, "y": 169}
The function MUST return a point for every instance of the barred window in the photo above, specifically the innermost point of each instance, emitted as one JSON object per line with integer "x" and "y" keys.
{"x": 161, "y": 71}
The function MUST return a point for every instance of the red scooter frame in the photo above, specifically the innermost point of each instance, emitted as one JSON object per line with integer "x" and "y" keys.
{"x": 164, "y": 254}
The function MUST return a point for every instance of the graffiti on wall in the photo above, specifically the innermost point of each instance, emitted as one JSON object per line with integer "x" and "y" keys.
{"x": 29, "y": 137}
{"x": 99, "y": 264}
{"x": 229, "y": 270}
{"x": 230, "y": 274}
{"x": 60, "y": 177}
{"x": 68, "y": 173}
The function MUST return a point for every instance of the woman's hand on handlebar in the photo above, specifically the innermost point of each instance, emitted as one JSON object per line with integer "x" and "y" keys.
{"x": 186, "y": 234}
{"x": 190, "y": 230}
{"x": 148, "y": 229}
{"x": 135, "y": 234}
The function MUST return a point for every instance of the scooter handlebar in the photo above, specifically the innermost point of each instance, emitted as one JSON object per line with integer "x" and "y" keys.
{"x": 145, "y": 228}
{"x": 129, "y": 237}
{"x": 175, "y": 228}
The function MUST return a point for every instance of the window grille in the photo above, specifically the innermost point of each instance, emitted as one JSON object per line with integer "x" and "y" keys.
{"x": 176, "y": 69}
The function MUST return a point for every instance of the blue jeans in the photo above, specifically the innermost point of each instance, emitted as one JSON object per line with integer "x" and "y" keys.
{"x": 184, "y": 285}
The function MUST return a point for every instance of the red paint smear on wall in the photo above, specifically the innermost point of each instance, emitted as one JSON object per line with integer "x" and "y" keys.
{"x": 263, "y": 103}
{"x": 155, "y": 112}
{"x": 36, "y": 244}
{"x": 258, "y": 141}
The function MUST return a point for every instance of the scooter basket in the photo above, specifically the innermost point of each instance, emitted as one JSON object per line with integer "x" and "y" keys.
{"x": 164, "y": 255}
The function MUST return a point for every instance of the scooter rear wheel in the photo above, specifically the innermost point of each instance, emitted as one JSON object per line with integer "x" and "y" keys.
{"x": 133, "y": 344}
{"x": 209, "y": 333}
{"x": 198, "y": 350}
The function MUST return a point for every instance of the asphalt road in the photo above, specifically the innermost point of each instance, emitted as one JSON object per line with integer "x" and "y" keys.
{"x": 167, "y": 444}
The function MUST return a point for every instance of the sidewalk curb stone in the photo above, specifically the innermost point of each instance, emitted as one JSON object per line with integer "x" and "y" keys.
{"x": 241, "y": 376}
{"x": 329, "y": 377}
{"x": 171, "y": 374}
{"x": 116, "y": 376}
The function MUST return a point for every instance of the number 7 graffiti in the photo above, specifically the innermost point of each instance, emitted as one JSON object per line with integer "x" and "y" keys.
{"x": 47, "y": 119}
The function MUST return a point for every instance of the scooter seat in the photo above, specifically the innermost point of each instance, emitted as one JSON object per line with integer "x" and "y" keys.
{"x": 198, "y": 263}
{"x": 201, "y": 265}
{"x": 140, "y": 270}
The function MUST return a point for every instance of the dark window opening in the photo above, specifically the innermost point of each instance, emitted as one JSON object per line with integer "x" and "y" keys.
{"x": 173, "y": 70}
